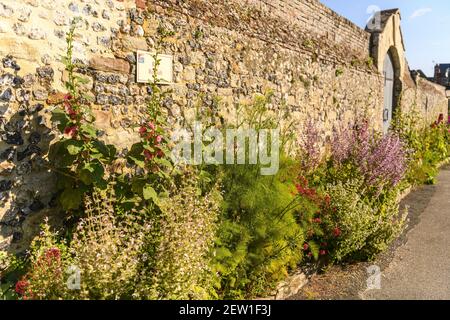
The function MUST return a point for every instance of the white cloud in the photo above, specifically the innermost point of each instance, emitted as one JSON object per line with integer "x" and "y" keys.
{"x": 420, "y": 12}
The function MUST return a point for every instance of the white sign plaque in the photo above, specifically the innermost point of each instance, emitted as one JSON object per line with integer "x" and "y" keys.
{"x": 145, "y": 66}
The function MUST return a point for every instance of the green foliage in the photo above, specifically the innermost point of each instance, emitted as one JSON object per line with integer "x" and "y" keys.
{"x": 104, "y": 248}
{"x": 366, "y": 226}
{"x": 258, "y": 243}
{"x": 187, "y": 228}
{"x": 46, "y": 278}
{"x": 10, "y": 266}
{"x": 339, "y": 72}
{"x": 428, "y": 146}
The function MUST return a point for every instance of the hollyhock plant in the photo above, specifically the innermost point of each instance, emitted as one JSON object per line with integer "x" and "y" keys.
{"x": 153, "y": 140}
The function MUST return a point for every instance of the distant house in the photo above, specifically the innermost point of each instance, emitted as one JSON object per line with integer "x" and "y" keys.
{"x": 442, "y": 74}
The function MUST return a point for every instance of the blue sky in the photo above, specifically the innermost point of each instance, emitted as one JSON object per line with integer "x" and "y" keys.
{"x": 425, "y": 25}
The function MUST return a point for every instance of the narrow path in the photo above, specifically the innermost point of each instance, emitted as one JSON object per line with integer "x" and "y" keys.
{"x": 417, "y": 266}
{"x": 420, "y": 268}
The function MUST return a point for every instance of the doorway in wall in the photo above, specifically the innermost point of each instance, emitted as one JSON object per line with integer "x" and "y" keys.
{"x": 389, "y": 85}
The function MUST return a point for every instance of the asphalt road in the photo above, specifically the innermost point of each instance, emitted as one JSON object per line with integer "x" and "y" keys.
{"x": 420, "y": 268}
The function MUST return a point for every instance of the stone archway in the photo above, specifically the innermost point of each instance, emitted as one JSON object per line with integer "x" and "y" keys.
{"x": 398, "y": 72}
{"x": 388, "y": 51}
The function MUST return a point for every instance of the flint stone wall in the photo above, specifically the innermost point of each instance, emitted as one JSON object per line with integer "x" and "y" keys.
{"x": 316, "y": 62}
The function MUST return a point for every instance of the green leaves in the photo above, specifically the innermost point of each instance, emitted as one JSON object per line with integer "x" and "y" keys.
{"x": 315, "y": 248}
{"x": 92, "y": 173}
{"x": 139, "y": 161}
{"x": 60, "y": 118}
{"x": 102, "y": 152}
{"x": 88, "y": 130}
{"x": 74, "y": 147}
{"x": 71, "y": 198}
{"x": 150, "y": 193}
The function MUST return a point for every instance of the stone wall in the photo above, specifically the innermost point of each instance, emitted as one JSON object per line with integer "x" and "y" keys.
{"x": 424, "y": 98}
{"x": 316, "y": 63}
{"x": 314, "y": 17}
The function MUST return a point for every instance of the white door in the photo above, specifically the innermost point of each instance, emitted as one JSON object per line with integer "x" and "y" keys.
{"x": 388, "y": 72}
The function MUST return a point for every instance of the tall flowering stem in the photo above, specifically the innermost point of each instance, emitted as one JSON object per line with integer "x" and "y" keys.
{"x": 310, "y": 142}
{"x": 381, "y": 160}
{"x": 80, "y": 157}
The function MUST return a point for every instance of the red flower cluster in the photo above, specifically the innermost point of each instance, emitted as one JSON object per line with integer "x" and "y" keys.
{"x": 149, "y": 133}
{"x": 68, "y": 107}
{"x": 303, "y": 189}
{"x": 439, "y": 121}
{"x": 22, "y": 286}
{"x": 72, "y": 114}
{"x": 53, "y": 254}
{"x": 337, "y": 232}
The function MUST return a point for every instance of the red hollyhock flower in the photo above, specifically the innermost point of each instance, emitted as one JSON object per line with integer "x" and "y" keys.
{"x": 69, "y": 110}
{"x": 142, "y": 130}
{"x": 305, "y": 247}
{"x": 160, "y": 153}
{"x": 71, "y": 131}
{"x": 158, "y": 139}
{"x": 148, "y": 155}
{"x": 317, "y": 220}
{"x": 323, "y": 252}
{"x": 21, "y": 286}
{"x": 337, "y": 232}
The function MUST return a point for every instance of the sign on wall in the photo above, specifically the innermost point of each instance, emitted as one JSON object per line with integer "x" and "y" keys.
{"x": 145, "y": 66}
